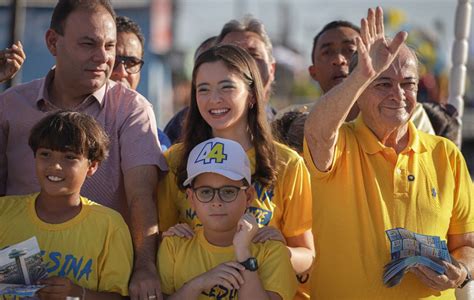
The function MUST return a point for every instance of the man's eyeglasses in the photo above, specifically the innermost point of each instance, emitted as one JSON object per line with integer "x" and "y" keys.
{"x": 227, "y": 193}
{"x": 131, "y": 64}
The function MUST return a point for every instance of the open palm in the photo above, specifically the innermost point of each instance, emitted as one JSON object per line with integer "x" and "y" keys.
{"x": 375, "y": 53}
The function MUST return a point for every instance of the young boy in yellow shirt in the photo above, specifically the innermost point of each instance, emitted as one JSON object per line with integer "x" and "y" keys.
{"x": 87, "y": 247}
{"x": 220, "y": 261}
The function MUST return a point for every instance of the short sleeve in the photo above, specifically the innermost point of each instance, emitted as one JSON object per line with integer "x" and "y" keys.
{"x": 462, "y": 220}
{"x": 275, "y": 271}
{"x": 117, "y": 261}
{"x": 139, "y": 144}
{"x": 297, "y": 213}
{"x": 168, "y": 214}
{"x": 166, "y": 261}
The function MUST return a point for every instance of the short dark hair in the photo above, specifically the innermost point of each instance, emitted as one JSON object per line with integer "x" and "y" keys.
{"x": 329, "y": 26}
{"x": 125, "y": 24}
{"x": 65, "y": 7}
{"x": 70, "y": 131}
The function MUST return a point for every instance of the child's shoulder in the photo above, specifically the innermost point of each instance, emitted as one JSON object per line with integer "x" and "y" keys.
{"x": 270, "y": 249}
{"x": 102, "y": 213}
{"x": 15, "y": 202}
{"x": 175, "y": 246}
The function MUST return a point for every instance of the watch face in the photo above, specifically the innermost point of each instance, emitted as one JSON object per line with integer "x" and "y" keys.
{"x": 253, "y": 264}
{"x": 250, "y": 264}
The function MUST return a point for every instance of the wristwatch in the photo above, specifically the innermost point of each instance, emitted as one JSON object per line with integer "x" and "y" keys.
{"x": 468, "y": 277}
{"x": 250, "y": 264}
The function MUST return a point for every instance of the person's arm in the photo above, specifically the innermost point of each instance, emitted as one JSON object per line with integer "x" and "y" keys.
{"x": 227, "y": 274}
{"x": 300, "y": 247}
{"x": 11, "y": 60}
{"x": 252, "y": 287}
{"x": 58, "y": 288}
{"x": 140, "y": 186}
{"x": 375, "y": 54}
{"x": 302, "y": 252}
{"x": 461, "y": 247}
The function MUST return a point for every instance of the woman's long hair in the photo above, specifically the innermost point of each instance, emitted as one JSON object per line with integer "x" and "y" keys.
{"x": 197, "y": 130}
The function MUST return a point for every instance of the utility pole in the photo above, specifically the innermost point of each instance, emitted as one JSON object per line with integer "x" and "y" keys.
{"x": 17, "y": 28}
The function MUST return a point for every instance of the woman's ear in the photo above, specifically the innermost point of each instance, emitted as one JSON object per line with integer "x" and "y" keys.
{"x": 251, "y": 100}
{"x": 250, "y": 193}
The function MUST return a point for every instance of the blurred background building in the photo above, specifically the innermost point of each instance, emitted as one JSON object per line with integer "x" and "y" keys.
{"x": 174, "y": 28}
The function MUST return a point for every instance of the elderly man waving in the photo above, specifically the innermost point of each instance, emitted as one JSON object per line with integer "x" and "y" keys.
{"x": 380, "y": 172}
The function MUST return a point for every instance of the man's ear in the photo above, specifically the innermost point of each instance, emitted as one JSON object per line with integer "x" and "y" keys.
{"x": 93, "y": 166}
{"x": 51, "y": 39}
{"x": 313, "y": 72}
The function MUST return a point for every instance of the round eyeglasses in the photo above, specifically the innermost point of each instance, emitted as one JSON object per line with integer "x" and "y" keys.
{"x": 131, "y": 64}
{"x": 227, "y": 193}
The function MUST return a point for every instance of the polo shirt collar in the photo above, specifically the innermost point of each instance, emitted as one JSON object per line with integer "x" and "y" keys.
{"x": 43, "y": 97}
{"x": 371, "y": 144}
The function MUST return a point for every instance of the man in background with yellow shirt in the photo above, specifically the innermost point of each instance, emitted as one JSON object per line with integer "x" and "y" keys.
{"x": 379, "y": 172}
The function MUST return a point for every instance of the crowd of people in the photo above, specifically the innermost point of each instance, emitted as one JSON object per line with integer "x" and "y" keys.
{"x": 241, "y": 201}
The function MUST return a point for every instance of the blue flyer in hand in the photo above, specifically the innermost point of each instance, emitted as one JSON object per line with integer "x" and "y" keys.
{"x": 408, "y": 249}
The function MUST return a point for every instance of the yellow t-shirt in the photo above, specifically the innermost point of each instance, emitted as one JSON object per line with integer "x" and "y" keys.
{"x": 181, "y": 259}
{"x": 285, "y": 206}
{"x": 369, "y": 189}
{"x": 93, "y": 249}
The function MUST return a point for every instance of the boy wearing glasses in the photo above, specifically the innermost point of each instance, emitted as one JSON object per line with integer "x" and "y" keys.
{"x": 220, "y": 261}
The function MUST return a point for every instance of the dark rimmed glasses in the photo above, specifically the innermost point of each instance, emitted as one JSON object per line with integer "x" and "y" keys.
{"x": 131, "y": 64}
{"x": 227, "y": 193}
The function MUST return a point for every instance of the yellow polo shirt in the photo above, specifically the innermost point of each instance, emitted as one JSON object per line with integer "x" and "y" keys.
{"x": 369, "y": 189}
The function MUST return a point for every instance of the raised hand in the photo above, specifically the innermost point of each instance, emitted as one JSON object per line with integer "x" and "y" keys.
{"x": 375, "y": 52}
{"x": 11, "y": 60}
{"x": 246, "y": 229}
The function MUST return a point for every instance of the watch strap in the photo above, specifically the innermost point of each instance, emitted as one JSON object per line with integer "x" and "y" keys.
{"x": 250, "y": 264}
{"x": 468, "y": 276}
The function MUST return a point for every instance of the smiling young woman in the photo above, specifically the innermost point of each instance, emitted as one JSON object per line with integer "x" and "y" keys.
{"x": 227, "y": 101}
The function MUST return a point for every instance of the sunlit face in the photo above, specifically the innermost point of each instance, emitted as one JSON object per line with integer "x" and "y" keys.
{"x": 85, "y": 54}
{"x": 251, "y": 42}
{"x": 222, "y": 98}
{"x": 389, "y": 101}
{"x": 62, "y": 173}
{"x": 128, "y": 44}
{"x": 332, "y": 55}
{"x": 218, "y": 215}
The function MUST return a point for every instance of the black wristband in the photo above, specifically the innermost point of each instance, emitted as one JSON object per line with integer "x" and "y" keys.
{"x": 468, "y": 276}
